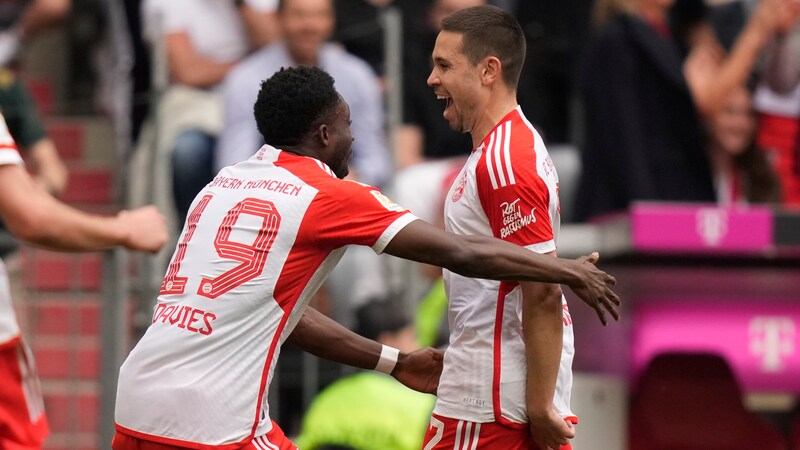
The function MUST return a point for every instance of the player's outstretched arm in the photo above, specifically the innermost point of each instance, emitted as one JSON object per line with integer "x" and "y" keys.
{"x": 487, "y": 257}
{"x": 322, "y": 336}
{"x": 35, "y": 216}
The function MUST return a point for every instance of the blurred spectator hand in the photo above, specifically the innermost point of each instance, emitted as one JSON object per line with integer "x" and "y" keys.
{"x": 777, "y": 15}
{"x": 700, "y": 67}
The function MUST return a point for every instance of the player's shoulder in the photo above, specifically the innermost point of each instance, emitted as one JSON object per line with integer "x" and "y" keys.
{"x": 519, "y": 137}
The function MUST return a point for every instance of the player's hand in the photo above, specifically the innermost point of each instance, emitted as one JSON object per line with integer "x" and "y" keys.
{"x": 594, "y": 287}
{"x": 146, "y": 229}
{"x": 550, "y": 431}
{"x": 420, "y": 370}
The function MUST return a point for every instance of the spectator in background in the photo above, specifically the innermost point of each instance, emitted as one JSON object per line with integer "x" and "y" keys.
{"x": 777, "y": 100}
{"x": 644, "y": 138}
{"x": 556, "y": 32}
{"x": 203, "y": 40}
{"x": 644, "y": 103}
{"x": 742, "y": 173}
{"x": 722, "y": 44}
{"x": 21, "y": 19}
{"x": 359, "y": 29}
{"x": 370, "y": 410}
{"x": 306, "y": 26}
{"x": 711, "y": 71}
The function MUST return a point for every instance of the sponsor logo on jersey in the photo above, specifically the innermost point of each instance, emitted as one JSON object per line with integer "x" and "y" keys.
{"x": 514, "y": 219}
{"x": 458, "y": 192}
{"x": 387, "y": 202}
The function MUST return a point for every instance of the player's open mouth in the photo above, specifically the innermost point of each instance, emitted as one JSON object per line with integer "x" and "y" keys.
{"x": 448, "y": 101}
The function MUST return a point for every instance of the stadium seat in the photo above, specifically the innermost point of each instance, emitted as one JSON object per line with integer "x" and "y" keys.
{"x": 794, "y": 432}
{"x": 693, "y": 402}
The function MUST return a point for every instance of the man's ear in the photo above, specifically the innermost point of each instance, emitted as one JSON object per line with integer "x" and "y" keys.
{"x": 323, "y": 133}
{"x": 491, "y": 69}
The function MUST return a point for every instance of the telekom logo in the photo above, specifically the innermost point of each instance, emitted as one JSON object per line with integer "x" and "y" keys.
{"x": 712, "y": 225}
{"x": 772, "y": 339}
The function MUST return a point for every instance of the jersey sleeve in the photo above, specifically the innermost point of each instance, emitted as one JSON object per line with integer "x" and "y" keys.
{"x": 8, "y": 148}
{"x": 348, "y": 212}
{"x": 514, "y": 196}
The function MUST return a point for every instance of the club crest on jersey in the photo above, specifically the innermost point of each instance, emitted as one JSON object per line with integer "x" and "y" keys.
{"x": 514, "y": 219}
{"x": 458, "y": 192}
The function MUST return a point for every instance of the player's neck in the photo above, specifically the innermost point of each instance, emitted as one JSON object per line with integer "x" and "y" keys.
{"x": 494, "y": 111}
{"x": 301, "y": 150}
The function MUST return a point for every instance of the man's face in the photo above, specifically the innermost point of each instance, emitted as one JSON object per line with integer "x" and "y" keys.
{"x": 306, "y": 24}
{"x": 455, "y": 80}
{"x": 733, "y": 127}
{"x": 340, "y": 140}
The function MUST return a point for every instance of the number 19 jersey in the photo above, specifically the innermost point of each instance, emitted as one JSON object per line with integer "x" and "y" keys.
{"x": 259, "y": 241}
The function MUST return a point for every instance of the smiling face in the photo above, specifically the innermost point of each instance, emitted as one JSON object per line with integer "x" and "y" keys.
{"x": 338, "y": 140}
{"x": 455, "y": 81}
{"x": 306, "y": 25}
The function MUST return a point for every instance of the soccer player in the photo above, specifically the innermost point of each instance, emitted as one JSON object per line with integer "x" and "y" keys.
{"x": 34, "y": 216}
{"x": 507, "y": 372}
{"x": 258, "y": 242}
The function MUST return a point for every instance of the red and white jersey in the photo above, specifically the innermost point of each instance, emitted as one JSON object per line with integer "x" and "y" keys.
{"x": 9, "y": 329}
{"x": 508, "y": 189}
{"x": 259, "y": 241}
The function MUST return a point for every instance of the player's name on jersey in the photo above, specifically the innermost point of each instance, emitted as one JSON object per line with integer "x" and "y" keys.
{"x": 185, "y": 317}
{"x": 269, "y": 185}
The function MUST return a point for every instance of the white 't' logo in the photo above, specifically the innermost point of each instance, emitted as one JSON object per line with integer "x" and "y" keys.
{"x": 772, "y": 338}
{"x": 712, "y": 225}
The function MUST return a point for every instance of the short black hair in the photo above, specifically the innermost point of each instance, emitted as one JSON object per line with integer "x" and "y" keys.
{"x": 490, "y": 31}
{"x": 292, "y": 102}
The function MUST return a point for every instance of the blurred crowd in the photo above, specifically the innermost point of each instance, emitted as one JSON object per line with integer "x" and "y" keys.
{"x": 665, "y": 100}
{"x": 662, "y": 100}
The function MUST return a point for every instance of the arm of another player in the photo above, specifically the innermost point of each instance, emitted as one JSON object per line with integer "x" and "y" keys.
{"x": 35, "y": 216}
{"x": 322, "y": 336}
{"x": 49, "y": 170}
{"x": 487, "y": 257}
{"x": 542, "y": 330}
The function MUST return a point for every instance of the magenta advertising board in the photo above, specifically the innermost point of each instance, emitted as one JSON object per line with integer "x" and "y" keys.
{"x": 701, "y": 228}
{"x": 760, "y": 341}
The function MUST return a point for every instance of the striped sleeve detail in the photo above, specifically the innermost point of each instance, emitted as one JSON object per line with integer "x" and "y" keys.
{"x": 498, "y": 157}
{"x": 325, "y": 167}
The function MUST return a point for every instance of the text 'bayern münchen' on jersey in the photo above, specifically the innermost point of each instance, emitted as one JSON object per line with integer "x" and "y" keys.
{"x": 259, "y": 240}
{"x": 508, "y": 188}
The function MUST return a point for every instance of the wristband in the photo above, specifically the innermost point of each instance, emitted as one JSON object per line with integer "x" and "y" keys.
{"x": 387, "y": 360}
